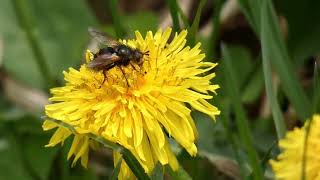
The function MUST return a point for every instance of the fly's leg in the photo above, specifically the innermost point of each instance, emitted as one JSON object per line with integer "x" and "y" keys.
{"x": 104, "y": 77}
{"x": 104, "y": 73}
{"x": 133, "y": 67}
{"x": 124, "y": 75}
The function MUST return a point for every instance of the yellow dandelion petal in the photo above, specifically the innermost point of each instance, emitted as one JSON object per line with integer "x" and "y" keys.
{"x": 59, "y": 136}
{"x": 288, "y": 164}
{"x": 139, "y": 106}
{"x": 145, "y": 151}
{"x": 47, "y": 125}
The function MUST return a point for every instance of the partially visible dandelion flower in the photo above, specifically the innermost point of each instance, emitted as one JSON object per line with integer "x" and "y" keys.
{"x": 288, "y": 165}
{"x": 142, "y": 116}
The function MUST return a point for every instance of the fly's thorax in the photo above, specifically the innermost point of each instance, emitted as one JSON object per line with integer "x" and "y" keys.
{"x": 123, "y": 51}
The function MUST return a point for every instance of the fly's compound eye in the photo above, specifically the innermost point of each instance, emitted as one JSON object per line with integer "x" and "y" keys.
{"x": 138, "y": 57}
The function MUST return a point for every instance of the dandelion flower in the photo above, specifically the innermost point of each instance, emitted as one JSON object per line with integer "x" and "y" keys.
{"x": 144, "y": 115}
{"x": 289, "y": 163}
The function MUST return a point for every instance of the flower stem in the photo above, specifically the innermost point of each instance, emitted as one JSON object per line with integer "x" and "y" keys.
{"x": 305, "y": 149}
{"x": 24, "y": 20}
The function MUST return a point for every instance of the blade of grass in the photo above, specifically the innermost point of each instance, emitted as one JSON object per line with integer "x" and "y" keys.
{"x": 215, "y": 29}
{"x": 305, "y": 149}
{"x": 241, "y": 119}
{"x": 274, "y": 49}
{"x": 316, "y": 89}
{"x": 251, "y": 9}
{"x": 174, "y": 10}
{"x": 116, "y": 170}
{"x": 195, "y": 24}
{"x": 116, "y": 18}
{"x": 129, "y": 158}
{"x": 24, "y": 19}
{"x": 280, "y": 56}
{"x": 184, "y": 18}
{"x": 272, "y": 99}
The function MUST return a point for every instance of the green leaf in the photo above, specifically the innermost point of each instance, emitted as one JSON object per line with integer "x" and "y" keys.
{"x": 115, "y": 173}
{"x": 275, "y": 51}
{"x": 62, "y": 38}
{"x": 129, "y": 158}
{"x": 253, "y": 88}
{"x": 39, "y": 158}
{"x": 217, "y": 143}
{"x": 27, "y": 124}
{"x": 27, "y": 136}
{"x": 241, "y": 119}
{"x": 19, "y": 63}
{"x": 243, "y": 65}
{"x": 158, "y": 172}
{"x": 179, "y": 174}
{"x": 11, "y": 164}
{"x": 211, "y": 135}
{"x": 26, "y": 24}
{"x": 249, "y": 73}
{"x": 267, "y": 155}
{"x": 10, "y": 113}
{"x": 78, "y": 173}
{"x": 263, "y": 133}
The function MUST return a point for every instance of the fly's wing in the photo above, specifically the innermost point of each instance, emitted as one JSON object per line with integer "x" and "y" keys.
{"x": 102, "y": 37}
{"x": 104, "y": 61}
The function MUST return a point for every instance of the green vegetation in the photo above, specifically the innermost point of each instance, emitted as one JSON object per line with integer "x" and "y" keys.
{"x": 268, "y": 56}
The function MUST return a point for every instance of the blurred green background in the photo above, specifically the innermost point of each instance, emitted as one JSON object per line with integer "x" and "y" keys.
{"x": 268, "y": 51}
